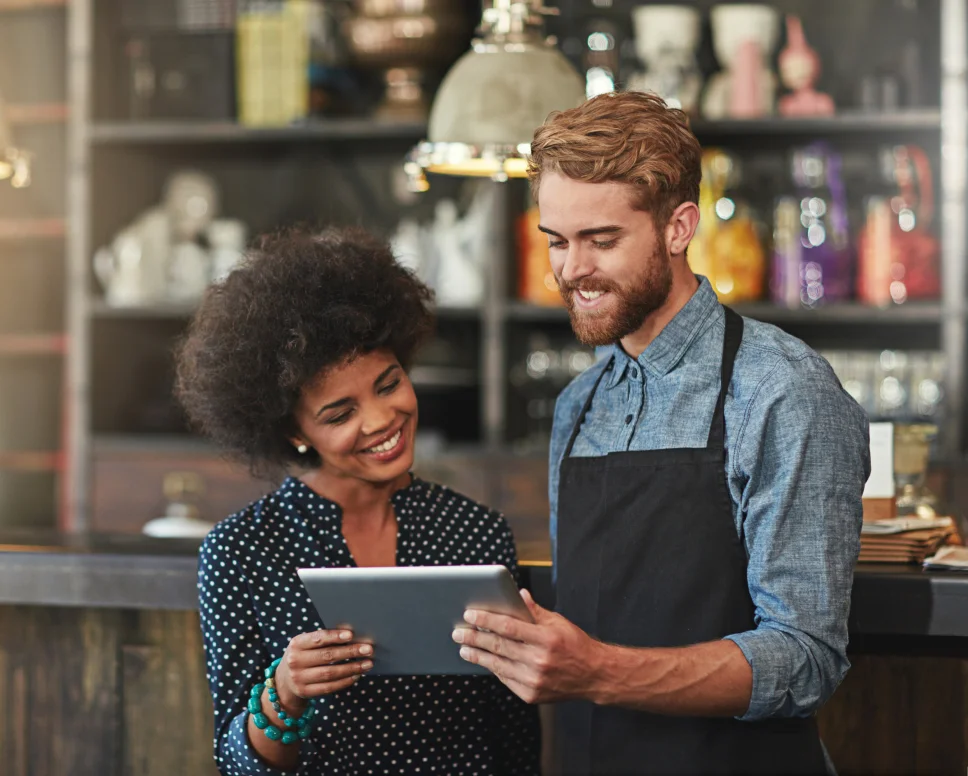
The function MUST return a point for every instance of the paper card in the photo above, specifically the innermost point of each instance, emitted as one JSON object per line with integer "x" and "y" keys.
{"x": 881, "y": 482}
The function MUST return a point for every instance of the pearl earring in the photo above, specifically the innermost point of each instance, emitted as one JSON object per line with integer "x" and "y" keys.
{"x": 302, "y": 449}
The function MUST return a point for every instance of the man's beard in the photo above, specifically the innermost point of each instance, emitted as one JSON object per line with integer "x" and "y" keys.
{"x": 633, "y": 302}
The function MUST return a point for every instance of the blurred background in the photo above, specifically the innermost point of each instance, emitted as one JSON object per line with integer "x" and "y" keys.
{"x": 148, "y": 142}
{"x": 144, "y": 143}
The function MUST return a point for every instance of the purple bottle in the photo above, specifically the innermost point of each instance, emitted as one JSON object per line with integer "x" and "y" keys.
{"x": 813, "y": 259}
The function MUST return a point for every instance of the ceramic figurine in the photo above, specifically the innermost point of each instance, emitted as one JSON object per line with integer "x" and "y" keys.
{"x": 744, "y": 37}
{"x": 666, "y": 37}
{"x": 799, "y": 71}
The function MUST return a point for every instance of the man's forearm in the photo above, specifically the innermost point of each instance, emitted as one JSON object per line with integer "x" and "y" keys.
{"x": 709, "y": 680}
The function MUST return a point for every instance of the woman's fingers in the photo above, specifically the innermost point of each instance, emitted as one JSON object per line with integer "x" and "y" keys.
{"x": 328, "y": 674}
{"x": 328, "y": 688}
{"x": 321, "y": 638}
{"x": 323, "y": 656}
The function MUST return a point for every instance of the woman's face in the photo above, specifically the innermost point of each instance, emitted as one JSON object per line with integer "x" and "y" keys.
{"x": 361, "y": 418}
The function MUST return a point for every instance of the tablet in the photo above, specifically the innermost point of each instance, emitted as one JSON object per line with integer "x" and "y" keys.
{"x": 408, "y": 613}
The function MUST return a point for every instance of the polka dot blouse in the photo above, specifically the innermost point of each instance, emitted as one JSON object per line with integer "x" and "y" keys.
{"x": 252, "y": 603}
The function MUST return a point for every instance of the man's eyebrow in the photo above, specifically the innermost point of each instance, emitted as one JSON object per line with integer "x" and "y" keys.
{"x": 589, "y": 232}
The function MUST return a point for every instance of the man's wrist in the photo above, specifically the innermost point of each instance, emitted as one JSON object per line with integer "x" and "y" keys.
{"x": 602, "y": 663}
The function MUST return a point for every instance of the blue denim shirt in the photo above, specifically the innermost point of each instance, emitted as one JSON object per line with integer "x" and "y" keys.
{"x": 797, "y": 459}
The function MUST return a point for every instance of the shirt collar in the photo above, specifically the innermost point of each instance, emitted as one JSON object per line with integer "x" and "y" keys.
{"x": 667, "y": 349}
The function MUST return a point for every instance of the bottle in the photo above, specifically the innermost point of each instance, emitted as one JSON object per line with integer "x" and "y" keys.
{"x": 812, "y": 256}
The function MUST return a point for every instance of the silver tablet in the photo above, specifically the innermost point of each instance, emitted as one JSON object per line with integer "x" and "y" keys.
{"x": 409, "y": 612}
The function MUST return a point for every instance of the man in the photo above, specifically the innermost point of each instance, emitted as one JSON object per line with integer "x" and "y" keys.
{"x": 706, "y": 480}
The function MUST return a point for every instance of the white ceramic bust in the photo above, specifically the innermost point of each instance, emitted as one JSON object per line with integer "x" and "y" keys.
{"x": 744, "y": 37}
{"x": 666, "y": 37}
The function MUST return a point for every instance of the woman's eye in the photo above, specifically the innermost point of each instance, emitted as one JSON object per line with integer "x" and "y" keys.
{"x": 339, "y": 419}
{"x": 390, "y": 388}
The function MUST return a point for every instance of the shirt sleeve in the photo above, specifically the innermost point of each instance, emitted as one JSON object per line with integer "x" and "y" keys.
{"x": 235, "y": 658}
{"x": 516, "y": 731}
{"x": 802, "y": 459}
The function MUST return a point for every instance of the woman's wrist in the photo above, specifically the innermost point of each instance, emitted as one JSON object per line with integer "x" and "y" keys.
{"x": 291, "y": 703}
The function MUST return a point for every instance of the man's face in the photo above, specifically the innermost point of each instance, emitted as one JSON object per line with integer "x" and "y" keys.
{"x": 612, "y": 265}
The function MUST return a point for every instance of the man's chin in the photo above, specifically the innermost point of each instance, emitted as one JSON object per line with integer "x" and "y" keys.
{"x": 593, "y": 330}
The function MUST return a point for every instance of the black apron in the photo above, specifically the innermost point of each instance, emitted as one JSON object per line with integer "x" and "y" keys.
{"x": 648, "y": 556}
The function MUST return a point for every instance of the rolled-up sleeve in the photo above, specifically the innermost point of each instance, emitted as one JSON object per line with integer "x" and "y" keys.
{"x": 797, "y": 470}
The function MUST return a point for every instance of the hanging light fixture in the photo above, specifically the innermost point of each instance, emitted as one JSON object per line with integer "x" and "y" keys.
{"x": 493, "y": 98}
{"x": 14, "y": 162}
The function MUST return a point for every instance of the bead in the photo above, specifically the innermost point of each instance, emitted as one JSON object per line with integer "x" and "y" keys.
{"x": 277, "y": 706}
{"x": 269, "y": 672}
{"x": 276, "y": 662}
{"x": 304, "y": 733}
{"x": 302, "y": 722}
{"x": 261, "y": 720}
{"x": 271, "y": 683}
{"x": 273, "y": 695}
{"x": 254, "y": 705}
{"x": 257, "y": 690}
{"x": 289, "y": 737}
{"x": 273, "y": 733}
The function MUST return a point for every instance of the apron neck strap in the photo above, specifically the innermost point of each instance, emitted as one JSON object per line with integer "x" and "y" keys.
{"x": 731, "y": 341}
{"x": 587, "y": 405}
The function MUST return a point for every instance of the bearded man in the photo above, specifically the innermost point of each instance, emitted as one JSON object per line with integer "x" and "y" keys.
{"x": 705, "y": 484}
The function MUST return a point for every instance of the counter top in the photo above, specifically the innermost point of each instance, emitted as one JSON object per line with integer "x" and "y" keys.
{"x": 139, "y": 572}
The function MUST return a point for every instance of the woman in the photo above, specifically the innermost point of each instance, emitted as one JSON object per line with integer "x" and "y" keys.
{"x": 299, "y": 360}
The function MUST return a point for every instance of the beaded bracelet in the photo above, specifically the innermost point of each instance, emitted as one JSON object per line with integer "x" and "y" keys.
{"x": 302, "y": 725}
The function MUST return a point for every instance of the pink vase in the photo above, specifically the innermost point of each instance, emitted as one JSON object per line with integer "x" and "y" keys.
{"x": 746, "y": 97}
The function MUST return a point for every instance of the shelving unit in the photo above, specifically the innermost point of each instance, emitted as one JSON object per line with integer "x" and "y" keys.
{"x": 355, "y": 151}
{"x": 33, "y": 228}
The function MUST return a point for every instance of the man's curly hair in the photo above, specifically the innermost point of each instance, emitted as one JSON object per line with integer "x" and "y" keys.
{"x": 300, "y": 303}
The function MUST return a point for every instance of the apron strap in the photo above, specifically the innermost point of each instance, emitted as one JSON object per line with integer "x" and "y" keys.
{"x": 731, "y": 342}
{"x": 586, "y": 407}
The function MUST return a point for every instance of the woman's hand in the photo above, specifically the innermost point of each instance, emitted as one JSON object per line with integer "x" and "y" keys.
{"x": 313, "y": 665}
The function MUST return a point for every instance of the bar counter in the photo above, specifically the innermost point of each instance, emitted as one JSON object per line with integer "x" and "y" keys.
{"x": 100, "y": 653}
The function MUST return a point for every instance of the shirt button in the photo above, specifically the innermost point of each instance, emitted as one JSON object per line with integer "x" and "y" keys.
{"x": 635, "y": 374}
{"x": 628, "y": 419}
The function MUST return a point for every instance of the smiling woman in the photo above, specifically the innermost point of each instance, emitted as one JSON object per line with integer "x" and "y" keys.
{"x": 300, "y": 357}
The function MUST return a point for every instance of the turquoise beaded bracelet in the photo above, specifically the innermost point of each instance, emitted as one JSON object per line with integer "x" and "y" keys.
{"x": 297, "y": 729}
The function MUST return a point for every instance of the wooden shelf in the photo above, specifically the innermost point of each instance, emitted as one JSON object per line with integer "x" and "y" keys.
{"x": 443, "y": 377}
{"x": 37, "y": 113}
{"x": 32, "y": 228}
{"x": 101, "y": 309}
{"x": 848, "y": 122}
{"x": 32, "y": 461}
{"x": 847, "y": 312}
{"x": 195, "y": 132}
{"x": 24, "y": 5}
{"x": 32, "y": 344}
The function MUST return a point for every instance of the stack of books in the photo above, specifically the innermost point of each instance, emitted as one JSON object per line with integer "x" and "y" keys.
{"x": 904, "y": 539}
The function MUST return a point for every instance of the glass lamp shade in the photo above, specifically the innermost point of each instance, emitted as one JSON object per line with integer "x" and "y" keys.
{"x": 488, "y": 107}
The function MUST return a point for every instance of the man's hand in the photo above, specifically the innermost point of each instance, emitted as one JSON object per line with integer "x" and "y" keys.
{"x": 541, "y": 662}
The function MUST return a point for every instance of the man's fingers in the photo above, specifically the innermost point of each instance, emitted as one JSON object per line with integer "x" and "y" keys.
{"x": 504, "y": 669}
{"x": 502, "y": 625}
{"x": 490, "y": 642}
{"x": 537, "y": 611}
